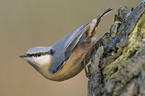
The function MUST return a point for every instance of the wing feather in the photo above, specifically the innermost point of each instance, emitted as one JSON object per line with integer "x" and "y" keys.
{"x": 64, "y": 47}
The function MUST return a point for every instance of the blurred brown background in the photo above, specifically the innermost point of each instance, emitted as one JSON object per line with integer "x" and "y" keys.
{"x": 29, "y": 23}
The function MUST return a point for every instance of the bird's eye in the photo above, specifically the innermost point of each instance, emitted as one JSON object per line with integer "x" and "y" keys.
{"x": 29, "y": 55}
{"x": 51, "y": 51}
{"x": 39, "y": 54}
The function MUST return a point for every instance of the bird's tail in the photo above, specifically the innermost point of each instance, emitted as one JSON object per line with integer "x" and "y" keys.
{"x": 104, "y": 13}
{"x": 93, "y": 25}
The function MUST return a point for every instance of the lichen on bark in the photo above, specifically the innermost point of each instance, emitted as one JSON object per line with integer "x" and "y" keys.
{"x": 118, "y": 67}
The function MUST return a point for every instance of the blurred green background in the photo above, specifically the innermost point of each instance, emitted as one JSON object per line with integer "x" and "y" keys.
{"x": 29, "y": 23}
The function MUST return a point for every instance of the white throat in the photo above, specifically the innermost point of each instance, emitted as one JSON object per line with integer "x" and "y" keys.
{"x": 42, "y": 60}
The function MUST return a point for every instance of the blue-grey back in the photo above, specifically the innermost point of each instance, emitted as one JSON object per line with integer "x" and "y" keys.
{"x": 64, "y": 47}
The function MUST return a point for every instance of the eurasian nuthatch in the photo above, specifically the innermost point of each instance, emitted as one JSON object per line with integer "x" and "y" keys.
{"x": 67, "y": 57}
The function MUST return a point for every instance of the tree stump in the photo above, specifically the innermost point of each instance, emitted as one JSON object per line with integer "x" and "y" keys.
{"x": 118, "y": 64}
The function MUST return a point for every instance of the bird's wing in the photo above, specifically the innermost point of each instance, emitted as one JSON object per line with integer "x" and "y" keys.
{"x": 65, "y": 46}
{"x": 74, "y": 39}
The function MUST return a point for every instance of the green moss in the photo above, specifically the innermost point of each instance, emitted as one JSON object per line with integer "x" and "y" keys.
{"x": 129, "y": 52}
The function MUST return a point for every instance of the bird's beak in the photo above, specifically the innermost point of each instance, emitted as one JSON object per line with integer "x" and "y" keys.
{"x": 23, "y": 56}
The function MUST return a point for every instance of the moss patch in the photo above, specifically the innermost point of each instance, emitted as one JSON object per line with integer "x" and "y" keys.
{"x": 136, "y": 39}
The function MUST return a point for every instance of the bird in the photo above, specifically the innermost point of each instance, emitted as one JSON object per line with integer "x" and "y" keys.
{"x": 68, "y": 56}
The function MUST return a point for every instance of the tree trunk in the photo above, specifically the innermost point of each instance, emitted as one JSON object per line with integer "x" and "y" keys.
{"x": 118, "y": 66}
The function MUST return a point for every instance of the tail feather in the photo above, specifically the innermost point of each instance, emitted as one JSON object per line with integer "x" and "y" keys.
{"x": 93, "y": 25}
{"x": 104, "y": 13}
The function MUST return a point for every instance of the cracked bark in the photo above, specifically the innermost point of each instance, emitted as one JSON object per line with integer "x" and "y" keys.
{"x": 118, "y": 66}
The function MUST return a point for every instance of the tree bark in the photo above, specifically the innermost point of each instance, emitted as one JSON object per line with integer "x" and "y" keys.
{"x": 118, "y": 66}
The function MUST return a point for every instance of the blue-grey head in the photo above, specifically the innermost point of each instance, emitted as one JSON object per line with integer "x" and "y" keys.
{"x": 38, "y": 55}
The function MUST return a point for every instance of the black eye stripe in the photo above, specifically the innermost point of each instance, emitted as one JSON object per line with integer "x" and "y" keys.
{"x": 51, "y": 52}
{"x": 35, "y": 55}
